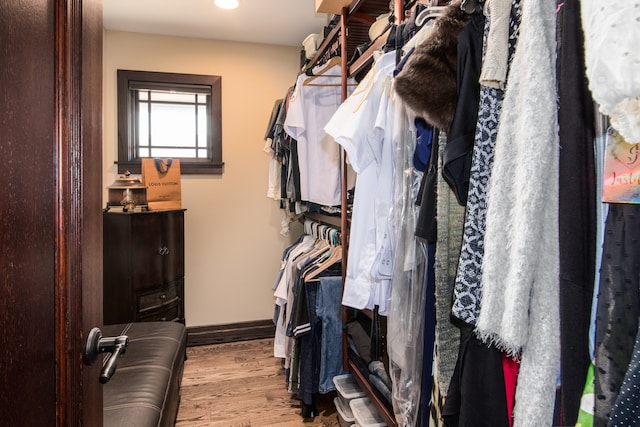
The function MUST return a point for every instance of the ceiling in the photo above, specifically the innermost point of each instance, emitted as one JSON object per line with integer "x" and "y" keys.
{"x": 279, "y": 22}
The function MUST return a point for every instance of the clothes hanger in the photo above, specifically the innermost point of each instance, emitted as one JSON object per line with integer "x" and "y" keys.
{"x": 318, "y": 249}
{"x": 334, "y": 237}
{"x": 317, "y": 255}
{"x": 331, "y": 63}
{"x": 335, "y": 255}
{"x": 307, "y": 226}
{"x": 322, "y": 231}
{"x": 424, "y": 21}
{"x": 321, "y": 250}
{"x": 422, "y": 34}
{"x": 470, "y": 6}
{"x": 314, "y": 74}
{"x": 428, "y": 13}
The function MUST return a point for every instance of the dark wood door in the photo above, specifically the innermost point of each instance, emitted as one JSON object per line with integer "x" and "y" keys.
{"x": 157, "y": 254}
{"x": 173, "y": 267}
{"x": 147, "y": 243}
{"x": 50, "y": 210}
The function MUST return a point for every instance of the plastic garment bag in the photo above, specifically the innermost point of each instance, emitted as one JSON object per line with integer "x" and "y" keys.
{"x": 406, "y": 313}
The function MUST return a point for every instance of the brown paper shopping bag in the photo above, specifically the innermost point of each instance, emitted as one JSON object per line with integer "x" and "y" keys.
{"x": 162, "y": 179}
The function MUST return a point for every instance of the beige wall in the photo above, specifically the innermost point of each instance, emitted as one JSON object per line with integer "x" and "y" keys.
{"x": 232, "y": 240}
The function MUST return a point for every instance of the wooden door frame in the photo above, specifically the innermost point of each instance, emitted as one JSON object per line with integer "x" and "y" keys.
{"x": 78, "y": 247}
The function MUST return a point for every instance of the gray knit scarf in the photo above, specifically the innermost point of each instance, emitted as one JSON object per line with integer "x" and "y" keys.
{"x": 520, "y": 309}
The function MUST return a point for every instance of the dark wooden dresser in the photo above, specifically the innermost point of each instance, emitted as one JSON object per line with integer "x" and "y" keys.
{"x": 143, "y": 266}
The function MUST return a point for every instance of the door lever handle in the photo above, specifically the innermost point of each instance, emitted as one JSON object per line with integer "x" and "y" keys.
{"x": 97, "y": 344}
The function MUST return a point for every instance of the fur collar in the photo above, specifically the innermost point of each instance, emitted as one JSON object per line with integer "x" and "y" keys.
{"x": 427, "y": 83}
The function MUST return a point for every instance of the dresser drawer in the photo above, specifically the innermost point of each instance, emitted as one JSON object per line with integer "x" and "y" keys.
{"x": 156, "y": 300}
{"x": 170, "y": 313}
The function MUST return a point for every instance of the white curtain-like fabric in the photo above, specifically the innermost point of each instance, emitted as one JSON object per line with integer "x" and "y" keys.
{"x": 612, "y": 37}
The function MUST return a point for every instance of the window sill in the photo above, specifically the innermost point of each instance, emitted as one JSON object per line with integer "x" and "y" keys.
{"x": 186, "y": 168}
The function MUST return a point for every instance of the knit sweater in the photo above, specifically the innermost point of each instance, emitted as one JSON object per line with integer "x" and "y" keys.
{"x": 494, "y": 65}
{"x": 450, "y": 217}
{"x": 519, "y": 311}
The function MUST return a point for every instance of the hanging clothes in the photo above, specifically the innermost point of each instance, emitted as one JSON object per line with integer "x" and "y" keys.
{"x": 275, "y": 163}
{"x": 468, "y": 282}
{"x": 618, "y": 306}
{"x": 577, "y": 212}
{"x": 450, "y": 221}
{"x": 429, "y": 338}
{"x": 427, "y": 84}
{"x": 308, "y": 314}
{"x": 282, "y": 293}
{"x": 456, "y": 158}
{"x": 405, "y": 323}
{"x": 310, "y": 108}
{"x": 626, "y": 411}
{"x": 502, "y": 267}
{"x": 497, "y": 57}
{"x": 329, "y": 317}
{"x": 284, "y": 174}
{"x": 476, "y": 396}
{"x": 611, "y": 43}
{"x": 426, "y": 226}
{"x": 361, "y": 127}
{"x": 520, "y": 270}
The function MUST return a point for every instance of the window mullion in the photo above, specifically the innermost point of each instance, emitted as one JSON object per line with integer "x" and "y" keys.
{"x": 197, "y": 133}
{"x": 149, "y": 138}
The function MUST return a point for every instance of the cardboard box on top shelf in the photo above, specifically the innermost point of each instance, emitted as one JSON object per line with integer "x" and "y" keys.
{"x": 331, "y": 6}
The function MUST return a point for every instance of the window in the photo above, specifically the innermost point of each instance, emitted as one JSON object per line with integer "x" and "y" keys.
{"x": 170, "y": 115}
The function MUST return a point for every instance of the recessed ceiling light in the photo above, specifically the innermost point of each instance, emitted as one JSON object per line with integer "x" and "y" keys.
{"x": 227, "y": 4}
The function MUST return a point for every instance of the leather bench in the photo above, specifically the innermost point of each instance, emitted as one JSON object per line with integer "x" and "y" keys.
{"x": 145, "y": 389}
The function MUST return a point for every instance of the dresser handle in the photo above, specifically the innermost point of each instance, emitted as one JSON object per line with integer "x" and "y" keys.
{"x": 163, "y": 296}
{"x": 163, "y": 250}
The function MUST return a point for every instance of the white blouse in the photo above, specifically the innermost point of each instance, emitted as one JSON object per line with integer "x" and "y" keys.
{"x": 612, "y": 56}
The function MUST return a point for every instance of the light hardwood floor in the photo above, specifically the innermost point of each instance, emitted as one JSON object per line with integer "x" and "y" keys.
{"x": 242, "y": 385}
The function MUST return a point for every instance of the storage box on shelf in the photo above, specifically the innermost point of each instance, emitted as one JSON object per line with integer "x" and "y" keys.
{"x": 365, "y": 413}
{"x": 347, "y": 388}
{"x": 345, "y": 415}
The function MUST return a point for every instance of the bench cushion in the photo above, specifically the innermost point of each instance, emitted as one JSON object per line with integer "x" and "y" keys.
{"x": 145, "y": 389}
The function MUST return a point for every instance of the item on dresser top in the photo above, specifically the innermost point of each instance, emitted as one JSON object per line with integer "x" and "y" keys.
{"x": 162, "y": 179}
{"x": 128, "y": 193}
